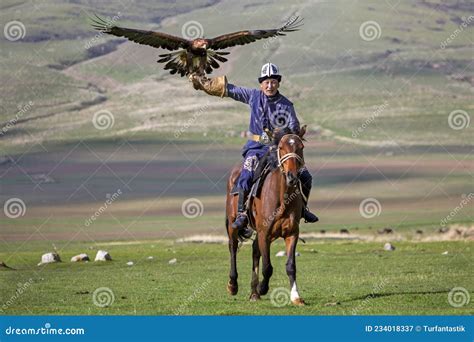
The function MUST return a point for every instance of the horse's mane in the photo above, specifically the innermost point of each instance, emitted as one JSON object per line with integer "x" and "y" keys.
{"x": 278, "y": 134}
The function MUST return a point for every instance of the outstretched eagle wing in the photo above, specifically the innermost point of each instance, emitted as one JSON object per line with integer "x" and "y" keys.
{"x": 246, "y": 37}
{"x": 151, "y": 38}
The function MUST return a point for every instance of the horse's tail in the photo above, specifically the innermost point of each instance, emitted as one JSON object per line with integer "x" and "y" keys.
{"x": 226, "y": 223}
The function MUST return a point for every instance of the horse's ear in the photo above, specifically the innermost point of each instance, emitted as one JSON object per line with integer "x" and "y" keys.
{"x": 302, "y": 132}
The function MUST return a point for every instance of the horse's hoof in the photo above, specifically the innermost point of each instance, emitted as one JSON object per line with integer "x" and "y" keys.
{"x": 232, "y": 289}
{"x": 254, "y": 297}
{"x": 262, "y": 289}
{"x": 298, "y": 302}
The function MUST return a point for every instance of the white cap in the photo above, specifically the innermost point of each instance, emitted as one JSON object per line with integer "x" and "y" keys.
{"x": 269, "y": 70}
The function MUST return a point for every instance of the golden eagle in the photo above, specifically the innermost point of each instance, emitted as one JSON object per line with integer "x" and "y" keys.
{"x": 193, "y": 56}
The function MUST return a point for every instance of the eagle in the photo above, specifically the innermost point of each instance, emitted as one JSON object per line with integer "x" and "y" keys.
{"x": 198, "y": 56}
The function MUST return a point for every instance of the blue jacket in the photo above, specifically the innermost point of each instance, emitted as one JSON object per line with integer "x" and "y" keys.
{"x": 265, "y": 112}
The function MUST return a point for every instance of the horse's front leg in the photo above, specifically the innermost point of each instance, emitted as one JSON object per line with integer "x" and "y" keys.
{"x": 254, "y": 295}
{"x": 232, "y": 285}
{"x": 290, "y": 243}
{"x": 267, "y": 269}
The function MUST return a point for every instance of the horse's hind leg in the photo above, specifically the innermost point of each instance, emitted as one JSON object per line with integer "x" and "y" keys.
{"x": 232, "y": 285}
{"x": 255, "y": 269}
{"x": 290, "y": 243}
{"x": 267, "y": 269}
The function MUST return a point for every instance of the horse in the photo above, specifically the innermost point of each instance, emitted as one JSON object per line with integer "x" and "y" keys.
{"x": 275, "y": 213}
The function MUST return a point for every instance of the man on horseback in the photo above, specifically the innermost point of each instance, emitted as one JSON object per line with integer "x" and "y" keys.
{"x": 269, "y": 111}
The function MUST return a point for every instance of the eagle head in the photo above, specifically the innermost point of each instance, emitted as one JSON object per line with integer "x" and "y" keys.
{"x": 200, "y": 44}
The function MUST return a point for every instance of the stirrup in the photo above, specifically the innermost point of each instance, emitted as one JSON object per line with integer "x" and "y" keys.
{"x": 240, "y": 222}
{"x": 308, "y": 216}
{"x": 245, "y": 233}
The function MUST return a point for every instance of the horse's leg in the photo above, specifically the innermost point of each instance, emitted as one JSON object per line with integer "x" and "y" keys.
{"x": 255, "y": 268}
{"x": 232, "y": 285}
{"x": 291, "y": 242}
{"x": 267, "y": 269}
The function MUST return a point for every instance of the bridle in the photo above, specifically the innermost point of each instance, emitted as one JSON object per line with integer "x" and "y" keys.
{"x": 285, "y": 157}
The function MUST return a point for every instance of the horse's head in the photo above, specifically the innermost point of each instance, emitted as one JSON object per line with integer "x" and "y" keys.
{"x": 290, "y": 155}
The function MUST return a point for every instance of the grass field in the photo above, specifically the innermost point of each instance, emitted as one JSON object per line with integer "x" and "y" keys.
{"x": 335, "y": 278}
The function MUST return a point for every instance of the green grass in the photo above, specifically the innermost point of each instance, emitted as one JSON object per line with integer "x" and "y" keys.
{"x": 334, "y": 279}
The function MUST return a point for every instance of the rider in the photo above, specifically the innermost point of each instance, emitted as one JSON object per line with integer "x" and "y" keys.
{"x": 269, "y": 110}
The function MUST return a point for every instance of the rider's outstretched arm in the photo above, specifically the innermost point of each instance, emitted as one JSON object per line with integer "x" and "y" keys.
{"x": 218, "y": 86}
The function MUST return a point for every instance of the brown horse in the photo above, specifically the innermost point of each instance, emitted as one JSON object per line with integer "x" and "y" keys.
{"x": 275, "y": 213}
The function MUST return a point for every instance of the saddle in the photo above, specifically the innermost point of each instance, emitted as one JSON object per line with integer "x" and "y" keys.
{"x": 266, "y": 164}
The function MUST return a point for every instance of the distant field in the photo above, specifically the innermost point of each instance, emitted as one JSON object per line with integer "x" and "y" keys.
{"x": 334, "y": 278}
{"x": 61, "y": 190}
